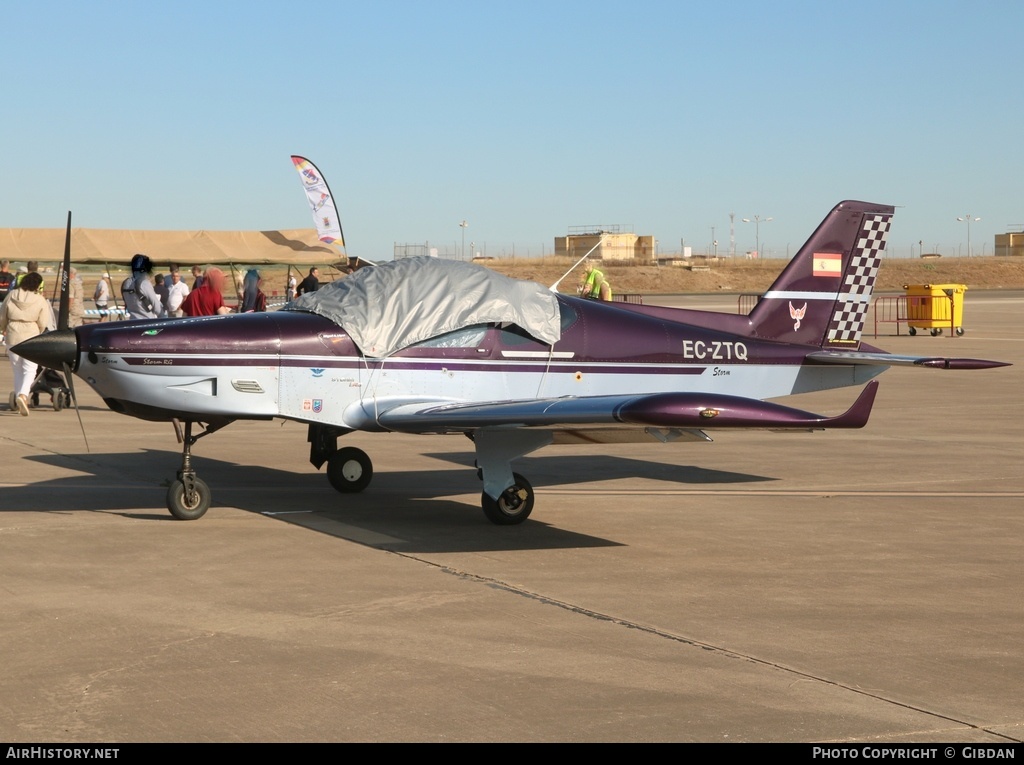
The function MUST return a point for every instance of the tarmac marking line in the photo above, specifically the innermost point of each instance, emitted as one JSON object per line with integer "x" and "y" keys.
{"x": 317, "y": 522}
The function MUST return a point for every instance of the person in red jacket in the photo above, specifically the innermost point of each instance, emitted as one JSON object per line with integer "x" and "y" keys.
{"x": 208, "y": 298}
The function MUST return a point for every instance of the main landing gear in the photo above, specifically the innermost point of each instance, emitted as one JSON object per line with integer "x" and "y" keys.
{"x": 507, "y": 498}
{"x": 349, "y": 470}
{"x": 512, "y": 506}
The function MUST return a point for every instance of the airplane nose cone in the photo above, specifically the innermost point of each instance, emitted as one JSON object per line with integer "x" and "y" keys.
{"x": 51, "y": 349}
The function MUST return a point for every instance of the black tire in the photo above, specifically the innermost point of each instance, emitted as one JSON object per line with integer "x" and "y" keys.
{"x": 959, "y": 331}
{"x": 349, "y": 470}
{"x": 512, "y": 507}
{"x": 912, "y": 331}
{"x": 188, "y": 508}
{"x": 936, "y": 332}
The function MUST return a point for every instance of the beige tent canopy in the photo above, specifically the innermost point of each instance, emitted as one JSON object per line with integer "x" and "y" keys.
{"x": 295, "y": 247}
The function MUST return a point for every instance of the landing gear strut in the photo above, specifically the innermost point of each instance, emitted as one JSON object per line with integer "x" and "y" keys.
{"x": 188, "y": 497}
{"x": 507, "y": 498}
{"x": 348, "y": 469}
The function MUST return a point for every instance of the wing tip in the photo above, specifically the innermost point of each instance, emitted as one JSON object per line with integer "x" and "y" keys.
{"x": 955, "y": 363}
{"x": 857, "y": 415}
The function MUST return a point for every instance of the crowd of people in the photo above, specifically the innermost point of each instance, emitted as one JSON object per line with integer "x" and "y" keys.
{"x": 149, "y": 296}
{"x": 25, "y": 311}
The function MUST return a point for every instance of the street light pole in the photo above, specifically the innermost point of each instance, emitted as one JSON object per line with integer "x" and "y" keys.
{"x": 757, "y": 231}
{"x": 967, "y": 218}
{"x": 463, "y": 226}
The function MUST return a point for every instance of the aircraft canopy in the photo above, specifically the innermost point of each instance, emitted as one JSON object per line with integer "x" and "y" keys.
{"x": 297, "y": 247}
{"x": 400, "y": 303}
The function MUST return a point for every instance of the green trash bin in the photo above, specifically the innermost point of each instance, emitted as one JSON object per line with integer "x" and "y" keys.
{"x": 935, "y": 307}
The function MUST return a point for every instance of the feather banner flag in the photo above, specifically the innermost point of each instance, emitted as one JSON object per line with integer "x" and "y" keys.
{"x": 325, "y": 214}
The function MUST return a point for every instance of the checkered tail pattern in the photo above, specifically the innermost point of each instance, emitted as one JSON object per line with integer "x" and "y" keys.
{"x": 858, "y": 282}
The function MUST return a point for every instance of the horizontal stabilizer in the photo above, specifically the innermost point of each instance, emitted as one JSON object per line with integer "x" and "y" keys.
{"x": 895, "y": 360}
{"x": 695, "y": 411}
{"x": 705, "y": 411}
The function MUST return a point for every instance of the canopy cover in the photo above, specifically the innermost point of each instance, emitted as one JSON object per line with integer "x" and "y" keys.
{"x": 400, "y": 303}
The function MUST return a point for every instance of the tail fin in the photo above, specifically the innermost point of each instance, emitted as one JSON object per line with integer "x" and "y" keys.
{"x": 823, "y": 295}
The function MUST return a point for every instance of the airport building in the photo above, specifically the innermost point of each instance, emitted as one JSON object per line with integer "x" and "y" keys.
{"x": 612, "y": 242}
{"x": 1010, "y": 243}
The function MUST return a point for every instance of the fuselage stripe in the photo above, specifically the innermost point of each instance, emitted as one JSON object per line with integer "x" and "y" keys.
{"x": 829, "y": 296}
{"x": 460, "y": 365}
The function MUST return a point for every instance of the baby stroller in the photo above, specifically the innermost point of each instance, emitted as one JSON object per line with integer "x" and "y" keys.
{"x": 51, "y": 382}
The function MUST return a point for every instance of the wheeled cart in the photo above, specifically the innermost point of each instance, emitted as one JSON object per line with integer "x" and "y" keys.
{"x": 935, "y": 307}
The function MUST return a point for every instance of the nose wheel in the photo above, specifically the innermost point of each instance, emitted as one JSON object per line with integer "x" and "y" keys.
{"x": 188, "y": 498}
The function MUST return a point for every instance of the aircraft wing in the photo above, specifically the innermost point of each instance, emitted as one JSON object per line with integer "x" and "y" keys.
{"x": 690, "y": 412}
{"x": 896, "y": 360}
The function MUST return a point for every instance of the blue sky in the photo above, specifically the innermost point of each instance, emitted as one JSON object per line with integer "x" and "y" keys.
{"x": 522, "y": 118}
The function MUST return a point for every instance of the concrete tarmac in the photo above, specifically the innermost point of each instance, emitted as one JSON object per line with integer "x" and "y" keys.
{"x": 842, "y": 586}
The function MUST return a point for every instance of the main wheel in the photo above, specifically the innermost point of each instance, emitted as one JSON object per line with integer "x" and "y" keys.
{"x": 58, "y": 400}
{"x": 936, "y": 332}
{"x": 185, "y": 506}
{"x": 349, "y": 470}
{"x": 513, "y": 506}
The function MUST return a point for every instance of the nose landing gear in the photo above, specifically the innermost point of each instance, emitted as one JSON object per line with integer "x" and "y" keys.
{"x": 188, "y": 497}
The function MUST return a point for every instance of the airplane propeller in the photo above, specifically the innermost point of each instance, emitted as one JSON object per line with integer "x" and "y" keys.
{"x": 63, "y": 325}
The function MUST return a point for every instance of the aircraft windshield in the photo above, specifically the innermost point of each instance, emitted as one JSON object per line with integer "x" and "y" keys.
{"x": 468, "y": 337}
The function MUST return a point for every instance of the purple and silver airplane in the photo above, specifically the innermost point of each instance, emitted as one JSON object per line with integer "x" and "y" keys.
{"x": 430, "y": 346}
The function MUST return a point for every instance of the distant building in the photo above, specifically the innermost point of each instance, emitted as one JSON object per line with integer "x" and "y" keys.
{"x": 1010, "y": 243}
{"x": 612, "y": 244}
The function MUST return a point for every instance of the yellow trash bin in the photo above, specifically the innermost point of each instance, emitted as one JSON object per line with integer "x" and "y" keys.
{"x": 935, "y": 307}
